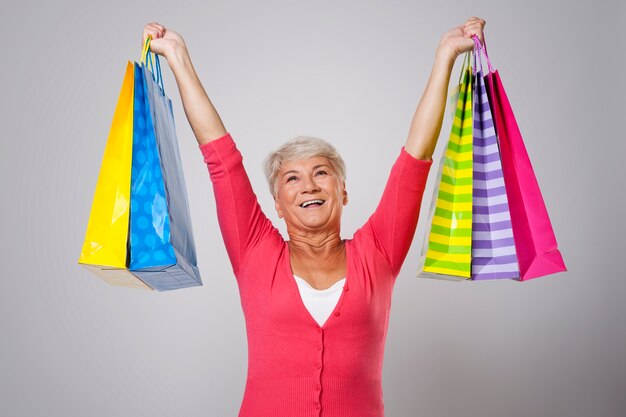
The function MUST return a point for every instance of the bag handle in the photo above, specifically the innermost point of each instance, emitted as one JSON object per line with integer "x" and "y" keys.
{"x": 147, "y": 60}
{"x": 467, "y": 63}
{"x": 478, "y": 59}
{"x": 478, "y": 50}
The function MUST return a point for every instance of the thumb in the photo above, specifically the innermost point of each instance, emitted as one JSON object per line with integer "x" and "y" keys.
{"x": 157, "y": 45}
{"x": 466, "y": 44}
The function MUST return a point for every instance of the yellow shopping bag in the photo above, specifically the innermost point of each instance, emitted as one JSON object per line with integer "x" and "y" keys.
{"x": 448, "y": 249}
{"x": 104, "y": 251}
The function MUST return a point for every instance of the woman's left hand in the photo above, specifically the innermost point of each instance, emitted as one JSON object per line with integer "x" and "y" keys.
{"x": 459, "y": 39}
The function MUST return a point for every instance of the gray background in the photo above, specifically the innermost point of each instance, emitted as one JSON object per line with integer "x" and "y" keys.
{"x": 351, "y": 72}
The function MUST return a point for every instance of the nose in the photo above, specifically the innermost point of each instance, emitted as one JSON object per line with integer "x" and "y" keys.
{"x": 309, "y": 185}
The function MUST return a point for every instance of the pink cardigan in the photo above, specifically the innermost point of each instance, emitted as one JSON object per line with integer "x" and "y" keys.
{"x": 295, "y": 367}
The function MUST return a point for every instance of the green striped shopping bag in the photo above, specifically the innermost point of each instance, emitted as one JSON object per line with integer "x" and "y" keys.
{"x": 448, "y": 249}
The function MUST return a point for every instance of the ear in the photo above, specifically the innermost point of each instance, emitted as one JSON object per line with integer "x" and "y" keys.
{"x": 278, "y": 210}
{"x": 345, "y": 195}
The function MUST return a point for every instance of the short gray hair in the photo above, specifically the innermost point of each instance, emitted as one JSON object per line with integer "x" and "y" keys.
{"x": 301, "y": 147}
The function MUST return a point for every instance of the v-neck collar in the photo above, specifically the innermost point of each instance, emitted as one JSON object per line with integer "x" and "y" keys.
{"x": 296, "y": 290}
{"x": 308, "y": 286}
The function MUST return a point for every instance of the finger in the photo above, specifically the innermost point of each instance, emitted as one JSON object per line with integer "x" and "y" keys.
{"x": 152, "y": 32}
{"x": 470, "y": 21}
{"x": 473, "y": 30}
{"x": 476, "y": 24}
{"x": 155, "y": 26}
{"x": 475, "y": 19}
{"x": 151, "y": 26}
{"x": 479, "y": 35}
{"x": 158, "y": 30}
{"x": 149, "y": 32}
{"x": 470, "y": 33}
{"x": 155, "y": 46}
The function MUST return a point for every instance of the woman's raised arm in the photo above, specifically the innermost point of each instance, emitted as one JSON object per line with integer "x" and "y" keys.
{"x": 428, "y": 117}
{"x": 203, "y": 118}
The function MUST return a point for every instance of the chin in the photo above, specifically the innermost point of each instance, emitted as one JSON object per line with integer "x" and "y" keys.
{"x": 320, "y": 224}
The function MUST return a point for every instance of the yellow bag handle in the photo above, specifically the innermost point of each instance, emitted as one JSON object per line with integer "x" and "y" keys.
{"x": 146, "y": 49}
{"x": 155, "y": 67}
{"x": 467, "y": 63}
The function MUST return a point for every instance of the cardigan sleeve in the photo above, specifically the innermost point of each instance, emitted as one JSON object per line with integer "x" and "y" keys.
{"x": 242, "y": 222}
{"x": 392, "y": 225}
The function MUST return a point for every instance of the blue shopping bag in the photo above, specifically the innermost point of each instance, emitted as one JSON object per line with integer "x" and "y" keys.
{"x": 162, "y": 251}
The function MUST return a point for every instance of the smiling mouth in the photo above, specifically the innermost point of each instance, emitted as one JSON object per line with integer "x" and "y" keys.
{"x": 312, "y": 203}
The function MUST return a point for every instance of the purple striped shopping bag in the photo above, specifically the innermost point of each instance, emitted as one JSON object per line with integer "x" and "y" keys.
{"x": 493, "y": 248}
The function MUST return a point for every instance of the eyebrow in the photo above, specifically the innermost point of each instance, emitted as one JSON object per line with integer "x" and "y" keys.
{"x": 293, "y": 171}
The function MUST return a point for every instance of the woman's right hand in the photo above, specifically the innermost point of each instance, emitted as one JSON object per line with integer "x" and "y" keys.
{"x": 203, "y": 118}
{"x": 164, "y": 41}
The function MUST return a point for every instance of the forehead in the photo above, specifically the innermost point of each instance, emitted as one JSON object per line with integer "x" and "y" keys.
{"x": 305, "y": 164}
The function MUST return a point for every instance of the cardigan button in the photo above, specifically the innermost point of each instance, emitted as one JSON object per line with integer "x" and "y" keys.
{"x": 317, "y": 406}
{"x": 318, "y": 387}
{"x": 345, "y": 288}
{"x": 337, "y": 313}
{"x": 319, "y": 347}
{"x": 319, "y": 366}
{"x": 319, "y": 330}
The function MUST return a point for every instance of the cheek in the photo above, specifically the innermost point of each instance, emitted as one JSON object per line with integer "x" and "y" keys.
{"x": 335, "y": 188}
{"x": 284, "y": 197}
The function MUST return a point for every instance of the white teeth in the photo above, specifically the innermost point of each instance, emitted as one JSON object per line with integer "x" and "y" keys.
{"x": 306, "y": 203}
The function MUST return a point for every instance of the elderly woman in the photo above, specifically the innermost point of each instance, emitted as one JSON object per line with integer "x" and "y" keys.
{"x": 316, "y": 306}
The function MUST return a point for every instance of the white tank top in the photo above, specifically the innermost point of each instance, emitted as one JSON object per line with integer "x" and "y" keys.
{"x": 320, "y": 303}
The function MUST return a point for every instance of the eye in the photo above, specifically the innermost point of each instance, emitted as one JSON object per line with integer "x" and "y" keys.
{"x": 321, "y": 172}
{"x": 293, "y": 177}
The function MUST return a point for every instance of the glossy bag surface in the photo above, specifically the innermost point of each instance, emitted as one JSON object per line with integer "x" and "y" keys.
{"x": 179, "y": 270}
{"x": 149, "y": 218}
{"x": 535, "y": 242}
{"x": 104, "y": 250}
{"x": 449, "y": 247}
{"x": 493, "y": 247}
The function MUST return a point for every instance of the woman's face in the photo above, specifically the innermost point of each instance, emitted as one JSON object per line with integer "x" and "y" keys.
{"x": 310, "y": 196}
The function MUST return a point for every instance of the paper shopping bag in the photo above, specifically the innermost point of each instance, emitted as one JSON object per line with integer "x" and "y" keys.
{"x": 448, "y": 251}
{"x": 493, "y": 247}
{"x": 149, "y": 219}
{"x": 535, "y": 242}
{"x": 104, "y": 250}
{"x": 180, "y": 269}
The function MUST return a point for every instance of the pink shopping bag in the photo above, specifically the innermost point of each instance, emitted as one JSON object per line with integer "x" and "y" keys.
{"x": 535, "y": 243}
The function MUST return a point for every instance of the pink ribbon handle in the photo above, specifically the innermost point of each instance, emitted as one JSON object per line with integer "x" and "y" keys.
{"x": 481, "y": 48}
{"x": 477, "y": 56}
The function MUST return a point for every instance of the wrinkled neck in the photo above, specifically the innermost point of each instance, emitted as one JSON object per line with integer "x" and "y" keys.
{"x": 315, "y": 246}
